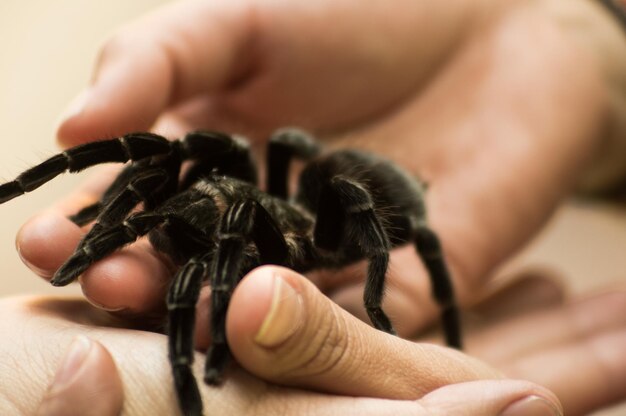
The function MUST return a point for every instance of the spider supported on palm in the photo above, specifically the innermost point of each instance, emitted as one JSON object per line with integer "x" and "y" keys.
{"x": 215, "y": 223}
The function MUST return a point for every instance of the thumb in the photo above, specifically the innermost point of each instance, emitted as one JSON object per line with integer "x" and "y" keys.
{"x": 492, "y": 397}
{"x": 283, "y": 329}
{"x": 87, "y": 382}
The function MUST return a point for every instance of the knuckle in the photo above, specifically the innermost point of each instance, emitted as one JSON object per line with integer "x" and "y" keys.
{"x": 326, "y": 351}
{"x": 110, "y": 48}
{"x": 113, "y": 47}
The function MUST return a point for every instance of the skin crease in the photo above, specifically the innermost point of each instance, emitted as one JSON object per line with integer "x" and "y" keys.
{"x": 537, "y": 342}
{"x": 504, "y": 118}
{"x": 488, "y": 113}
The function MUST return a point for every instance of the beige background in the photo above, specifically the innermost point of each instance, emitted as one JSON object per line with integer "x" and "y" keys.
{"x": 46, "y": 51}
{"x": 47, "y": 48}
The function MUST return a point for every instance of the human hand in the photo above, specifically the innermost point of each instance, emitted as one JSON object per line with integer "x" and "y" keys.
{"x": 500, "y": 143}
{"x": 524, "y": 330}
{"x": 37, "y": 330}
{"x": 326, "y": 349}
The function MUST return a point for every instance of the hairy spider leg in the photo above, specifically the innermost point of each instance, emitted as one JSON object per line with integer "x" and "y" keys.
{"x": 134, "y": 146}
{"x": 429, "y": 248}
{"x": 244, "y": 221}
{"x": 208, "y": 150}
{"x": 89, "y": 213}
{"x": 140, "y": 189}
{"x": 346, "y": 214}
{"x": 105, "y": 243}
{"x": 284, "y": 145}
{"x": 215, "y": 151}
{"x": 181, "y": 303}
{"x": 170, "y": 163}
{"x": 116, "y": 237}
{"x": 149, "y": 181}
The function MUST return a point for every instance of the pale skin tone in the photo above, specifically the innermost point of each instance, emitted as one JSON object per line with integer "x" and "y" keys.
{"x": 538, "y": 340}
{"x": 500, "y": 108}
{"x": 499, "y": 143}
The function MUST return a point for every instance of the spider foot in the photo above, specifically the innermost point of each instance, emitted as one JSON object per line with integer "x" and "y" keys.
{"x": 71, "y": 269}
{"x": 380, "y": 320}
{"x": 212, "y": 377}
{"x": 104, "y": 244}
{"x": 187, "y": 390}
{"x": 452, "y": 326}
{"x": 218, "y": 356}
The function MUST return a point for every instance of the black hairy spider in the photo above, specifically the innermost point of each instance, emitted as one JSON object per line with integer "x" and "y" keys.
{"x": 217, "y": 225}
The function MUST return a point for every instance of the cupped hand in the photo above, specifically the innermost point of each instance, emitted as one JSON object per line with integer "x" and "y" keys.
{"x": 482, "y": 100}
{"x": 120, "y": 371}
{"x": 523, "y": 331}
{"x": 38, "y": 330}
{"x": 283, "y": 330}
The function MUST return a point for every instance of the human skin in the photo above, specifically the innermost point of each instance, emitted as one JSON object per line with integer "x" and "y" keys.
{"x": 333, "y": 356}
{"x": 480, "y": 99}
{"x": 486, "y": 109}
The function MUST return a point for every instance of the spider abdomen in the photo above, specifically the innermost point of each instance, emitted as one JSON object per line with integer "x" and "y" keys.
{"x": 397, "y": 197}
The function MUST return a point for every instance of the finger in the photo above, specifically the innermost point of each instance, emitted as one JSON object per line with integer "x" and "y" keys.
{"x": 33, "y": 242}
{"x": 408, "y": 301}
{"x": 141, "y": 359}
{"x": 498, "y": 167}
{"x": 492, "y": 397}
{"x": 586, "y": 375}
{"x": 130, "y": 281}
{"x": 180, "y": 50}
{"x": 409, "y": 304}
{"x": 554, "y": 328}
{"x": 281, "y": 328}
{"x": 576, "y": 351}
{"x": 528, "y": 291}
{"x": 148, "y": 376}
{"x": 476, "y": 398}
{"x": 34, "y": 237}
{"x": 87, "y": 382}
{"x": 522, "y": 172}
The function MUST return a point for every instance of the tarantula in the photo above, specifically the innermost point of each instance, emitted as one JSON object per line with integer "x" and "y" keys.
{"x": 213, "y": 221}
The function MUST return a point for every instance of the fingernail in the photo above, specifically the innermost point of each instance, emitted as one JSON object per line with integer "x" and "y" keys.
{"x": 532, "y": 406}
{"x": 71, "y": 364}
{"x": 103, "y": 307}
{"x": 76, "y": 106}
{"x": 284, "y": 317}
{"x": 95, "y": 303}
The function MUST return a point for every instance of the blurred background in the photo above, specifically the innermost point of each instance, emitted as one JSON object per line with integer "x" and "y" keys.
{"x": 47, "y": 48}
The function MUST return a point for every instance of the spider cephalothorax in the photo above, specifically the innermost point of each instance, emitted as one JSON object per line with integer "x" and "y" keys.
{"x": 215, "y": 223}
